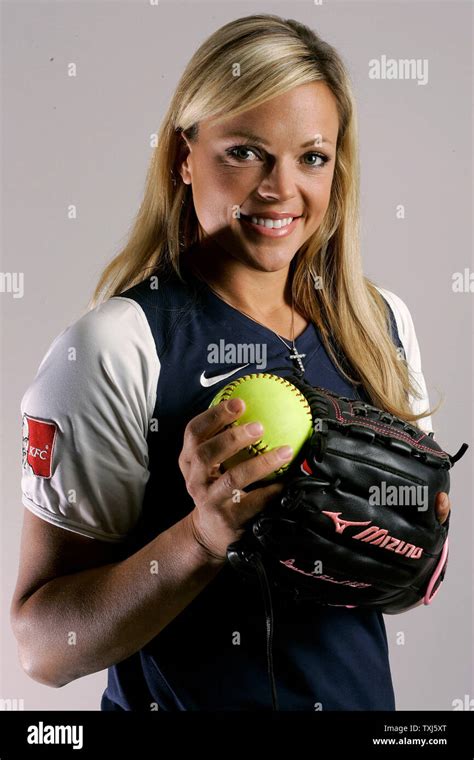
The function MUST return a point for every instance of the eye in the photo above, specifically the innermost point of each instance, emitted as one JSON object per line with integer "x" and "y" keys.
{"x": 239, "y": 152}
{"x": 247, "y": 154}
{"x": 324, "y": 159}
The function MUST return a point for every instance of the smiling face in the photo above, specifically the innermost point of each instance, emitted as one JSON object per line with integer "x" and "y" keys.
{"x": 271, "y": 164}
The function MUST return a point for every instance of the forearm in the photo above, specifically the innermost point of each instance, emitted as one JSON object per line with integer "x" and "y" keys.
{"x": 82, "y": 623}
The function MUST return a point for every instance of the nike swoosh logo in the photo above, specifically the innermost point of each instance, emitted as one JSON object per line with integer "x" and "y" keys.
{"x": 206, "y": 382}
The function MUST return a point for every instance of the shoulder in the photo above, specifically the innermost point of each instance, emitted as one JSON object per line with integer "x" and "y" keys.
{"x": 403, "y": 320}
{"x": 395, "y": 302}
{"x": 407, "y": 333}
{"x": 108, "y": 349}
{"x": 112, "y": 324}
{"x": 398, "y": 306}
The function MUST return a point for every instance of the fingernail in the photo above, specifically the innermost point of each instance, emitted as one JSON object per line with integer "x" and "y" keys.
{"x": 234, "y": 405}
{"x": 285, "y": 452}
{"x": 254, "y": 428}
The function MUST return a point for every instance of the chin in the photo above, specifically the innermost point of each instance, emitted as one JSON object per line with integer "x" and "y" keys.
{"x": 265, "y": 258}
{"x": 269, "y": 261}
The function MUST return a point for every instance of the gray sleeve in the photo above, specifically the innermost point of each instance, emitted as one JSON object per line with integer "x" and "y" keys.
{"x": 86, "y": 417}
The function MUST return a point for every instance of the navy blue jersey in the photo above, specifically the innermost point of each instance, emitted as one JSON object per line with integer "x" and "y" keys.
{"x": 213, "y": 656}
{"x": 159, "y": 355}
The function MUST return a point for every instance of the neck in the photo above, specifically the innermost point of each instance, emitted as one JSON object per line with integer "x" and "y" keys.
{"x": 251, "y": 290}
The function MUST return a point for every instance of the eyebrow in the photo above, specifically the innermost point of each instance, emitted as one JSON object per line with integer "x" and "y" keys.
{"x": 260, "y": 141}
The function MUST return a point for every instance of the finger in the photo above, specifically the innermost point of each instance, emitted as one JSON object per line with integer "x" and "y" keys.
{"x": 213, "y": 420}
{"x": 250, "y": 471}
{"x": 223, "y": 445}
{"x": 443, "y": 506}
{"x": 204, "y": 465}
{"x": 204, "y": 468}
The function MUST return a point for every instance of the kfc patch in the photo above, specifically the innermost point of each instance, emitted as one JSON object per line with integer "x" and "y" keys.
{"x": 38, "y": 445}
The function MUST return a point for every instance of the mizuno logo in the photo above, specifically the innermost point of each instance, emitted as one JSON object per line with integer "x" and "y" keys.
{"x": 206, "y": 382}
{"x": 377, "y": 536}
{"x": 342, "y": 524}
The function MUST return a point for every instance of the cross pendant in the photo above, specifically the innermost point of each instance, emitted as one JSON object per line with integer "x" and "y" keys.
{"x": 295, "y": 356}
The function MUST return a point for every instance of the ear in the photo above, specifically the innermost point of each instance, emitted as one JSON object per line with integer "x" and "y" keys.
{"x": 183, "y": 162}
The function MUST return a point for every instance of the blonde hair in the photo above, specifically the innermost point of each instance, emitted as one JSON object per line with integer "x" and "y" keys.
{"x": 274, "y": 55}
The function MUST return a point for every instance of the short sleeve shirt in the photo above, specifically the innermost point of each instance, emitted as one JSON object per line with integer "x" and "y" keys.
{"x": 103, "y": 425}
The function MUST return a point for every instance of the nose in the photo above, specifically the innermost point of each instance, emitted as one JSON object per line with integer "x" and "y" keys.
{"x": 279, "y": 182}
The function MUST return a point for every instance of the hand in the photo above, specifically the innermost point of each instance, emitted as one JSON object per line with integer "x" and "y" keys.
{"x": 221, "y": 507}
{"x": 442, "y": 509}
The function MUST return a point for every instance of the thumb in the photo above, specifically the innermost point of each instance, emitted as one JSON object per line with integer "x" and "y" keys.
{"x": 253, "y": 502}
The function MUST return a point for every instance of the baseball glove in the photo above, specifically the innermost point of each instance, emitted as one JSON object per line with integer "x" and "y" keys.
{"x": 356, "y": 524}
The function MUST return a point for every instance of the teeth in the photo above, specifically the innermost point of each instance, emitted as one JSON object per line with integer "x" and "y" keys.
{"x": 272, "y": 223}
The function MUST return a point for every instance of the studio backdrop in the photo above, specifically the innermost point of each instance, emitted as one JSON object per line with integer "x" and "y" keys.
{"x": 84, "y": 88}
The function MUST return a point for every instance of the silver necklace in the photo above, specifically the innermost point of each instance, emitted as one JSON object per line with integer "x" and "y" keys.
{"x": 293, "y": 355}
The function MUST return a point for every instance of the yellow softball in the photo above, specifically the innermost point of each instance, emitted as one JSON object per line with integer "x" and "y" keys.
{"x": 279, "y": 406}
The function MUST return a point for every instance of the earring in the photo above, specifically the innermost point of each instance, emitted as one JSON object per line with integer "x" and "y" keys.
{"x": 314, "y": 277}
{"x": 317, "y": 279}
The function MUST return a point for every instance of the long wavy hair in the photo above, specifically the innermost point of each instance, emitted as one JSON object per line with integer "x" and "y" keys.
{"x": 274, "y": 55}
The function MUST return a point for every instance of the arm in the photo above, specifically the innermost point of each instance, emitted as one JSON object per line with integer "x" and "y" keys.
{"x": 116, "y": 608}
{"x": 113, "y": 609}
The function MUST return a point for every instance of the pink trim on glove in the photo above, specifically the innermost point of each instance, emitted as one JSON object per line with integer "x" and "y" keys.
{"x": 427, "y": 599}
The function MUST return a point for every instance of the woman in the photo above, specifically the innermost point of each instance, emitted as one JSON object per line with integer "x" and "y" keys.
{"x": 247, "y": 237}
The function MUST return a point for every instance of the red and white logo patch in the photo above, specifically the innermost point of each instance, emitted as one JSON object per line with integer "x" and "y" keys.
{"x": 38, "y": 445}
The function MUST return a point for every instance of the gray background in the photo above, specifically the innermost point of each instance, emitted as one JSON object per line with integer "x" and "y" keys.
{"x": 85, "y": 141}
